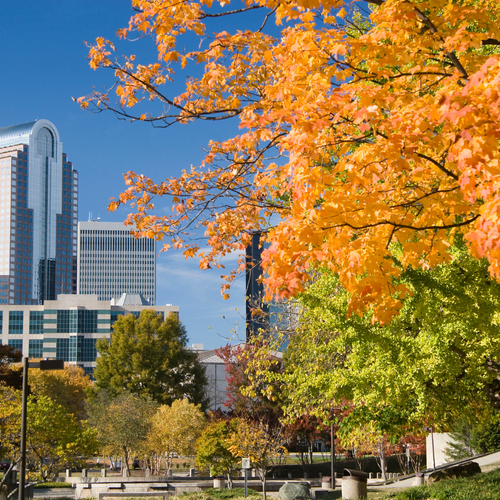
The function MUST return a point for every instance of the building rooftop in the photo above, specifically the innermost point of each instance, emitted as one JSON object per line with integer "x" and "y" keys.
{"x": 130, "y": 299}
{"x": 16, "y": 130}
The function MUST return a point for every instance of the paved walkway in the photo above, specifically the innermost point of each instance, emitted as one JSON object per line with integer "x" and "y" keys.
{"x": 486, "y": 462}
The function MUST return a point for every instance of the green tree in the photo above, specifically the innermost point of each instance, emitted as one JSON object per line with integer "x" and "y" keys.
{"x": 55, "y": 437}
{"x": 439, "y": 357}
{"x": 174, "y": 430}
{"x": 122, "y": 423}
{"x": 212, "y": 449}
{"x": 148, "y": 356}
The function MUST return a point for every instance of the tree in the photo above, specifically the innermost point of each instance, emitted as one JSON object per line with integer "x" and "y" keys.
{"x": 55, "y": 437}
{"x": 259, "y": 442}
{"x": 248, "y": 395}
{"x": 122, "y": 423}
{"x": 212, "y": 449}
{"x": 364, "y": 124}
{"x": 437, "y": 359}
{"x": 148, "y": 356}
{"x": 9, "y": 374}
{"x": 174, "y": 430}
{"x": 66, "y": 387}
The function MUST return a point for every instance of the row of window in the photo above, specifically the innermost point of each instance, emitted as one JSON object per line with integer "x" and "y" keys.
{"x": 72, "y": 321}
{"x": 73, "y": 349}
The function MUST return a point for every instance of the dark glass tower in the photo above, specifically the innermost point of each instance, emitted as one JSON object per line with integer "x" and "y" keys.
{"x": 255, "y": 290}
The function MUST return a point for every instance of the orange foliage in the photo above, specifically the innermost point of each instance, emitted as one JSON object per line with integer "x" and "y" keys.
{"x": 357, "y": 133}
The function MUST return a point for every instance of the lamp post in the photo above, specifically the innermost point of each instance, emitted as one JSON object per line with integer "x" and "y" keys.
{"x": 332, "y": 454}
{"x": 47, "y": 364}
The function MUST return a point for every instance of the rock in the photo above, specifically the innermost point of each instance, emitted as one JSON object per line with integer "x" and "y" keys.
{"x": 460, "y": 470}
{"x": 291, "y": 491}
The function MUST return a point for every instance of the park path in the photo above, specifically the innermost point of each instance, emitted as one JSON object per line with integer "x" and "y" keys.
{"x": 486, "y": 462}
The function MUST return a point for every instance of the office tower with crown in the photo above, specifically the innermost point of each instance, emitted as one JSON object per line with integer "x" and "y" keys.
{"x": 38, "y": 215}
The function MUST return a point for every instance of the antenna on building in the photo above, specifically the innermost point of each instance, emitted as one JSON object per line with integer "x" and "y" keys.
{"x": 90, "y": 216}
{"x": 98, "y": 218}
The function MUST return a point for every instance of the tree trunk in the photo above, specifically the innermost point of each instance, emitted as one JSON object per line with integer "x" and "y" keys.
{"x": 383, "y": 460}
{"x": 125, "y": 459}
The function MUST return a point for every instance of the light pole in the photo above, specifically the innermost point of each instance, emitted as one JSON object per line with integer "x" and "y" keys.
{"x": 47, "y": 364}
{"x": 332, "y": 454}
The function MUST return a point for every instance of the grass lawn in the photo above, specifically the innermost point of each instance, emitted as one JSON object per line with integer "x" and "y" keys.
{"x": 478, "y": 487}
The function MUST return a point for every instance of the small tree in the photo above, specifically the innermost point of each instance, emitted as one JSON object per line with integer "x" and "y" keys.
{"x": 148, "y": 356}
{"x": 174, "y": 430}
{"x": 261, "y": 443}
{"x": 53, "y": 436}
{"x": 56, "y": 437}
{"x": 212, "y": 449}
{"x": 122, "y": 423}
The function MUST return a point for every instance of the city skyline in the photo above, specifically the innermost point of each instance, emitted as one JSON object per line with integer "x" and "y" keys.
{"x": 47, "y": 42}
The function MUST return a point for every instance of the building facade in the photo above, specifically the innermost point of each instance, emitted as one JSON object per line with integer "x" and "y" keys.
{"x": 67, "y": 328}
{"x": 254, "y": 297}
{"x": 112, "y": 262}
{"x": 38, "y": 215}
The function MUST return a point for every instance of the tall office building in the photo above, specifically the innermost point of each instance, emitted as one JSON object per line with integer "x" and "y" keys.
{"x": 112, "y": 262}
{"x": 38, "y": 215}
{"x": 255, "y": 290}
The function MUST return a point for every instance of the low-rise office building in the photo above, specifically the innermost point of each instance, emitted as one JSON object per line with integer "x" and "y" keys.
{"x": 67, "y": 328}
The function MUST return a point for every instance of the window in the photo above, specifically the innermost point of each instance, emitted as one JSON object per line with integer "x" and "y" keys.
{"x": 16, "y": 344}
{"x": 62, "y": 348}
{"x": 16, "y": 322}
{"x": 36, "y": 322}
{"x": 35, "y": 348}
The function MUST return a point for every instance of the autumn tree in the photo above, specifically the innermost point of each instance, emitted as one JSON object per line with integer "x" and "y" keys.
{"x": 212, "y": 449}
{"x": 122, "y": 423}
{"x": 66, "y": 387}
{"x": 149, "y": 356}
{"x": 363, "y": 124}
{"x": 261, "y": 443}
{"x": 174, "y": 430}
{"x": 55, "y": 437}
{"x": 248, "y": 395}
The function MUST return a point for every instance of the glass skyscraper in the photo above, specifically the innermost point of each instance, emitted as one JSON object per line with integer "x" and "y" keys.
{"x": 38, "y": 215}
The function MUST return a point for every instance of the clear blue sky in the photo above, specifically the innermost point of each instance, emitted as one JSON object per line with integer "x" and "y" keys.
{"x": 43, "y": 64}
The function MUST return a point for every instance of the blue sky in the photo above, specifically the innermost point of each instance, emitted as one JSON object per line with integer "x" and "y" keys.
{"x": 44, "y": 65}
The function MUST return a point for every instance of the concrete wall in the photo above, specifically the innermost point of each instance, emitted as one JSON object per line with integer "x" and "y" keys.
{"x": 441, "y": 442}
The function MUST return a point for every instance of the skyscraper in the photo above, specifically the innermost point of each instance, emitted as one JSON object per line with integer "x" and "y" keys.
{"x": 254, "y": 298}
{"x": 38, "y": 215}
{"x": 112, "y": 262}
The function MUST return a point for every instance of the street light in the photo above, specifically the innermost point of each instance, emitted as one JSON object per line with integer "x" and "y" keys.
{"x": 46, "y": 364}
